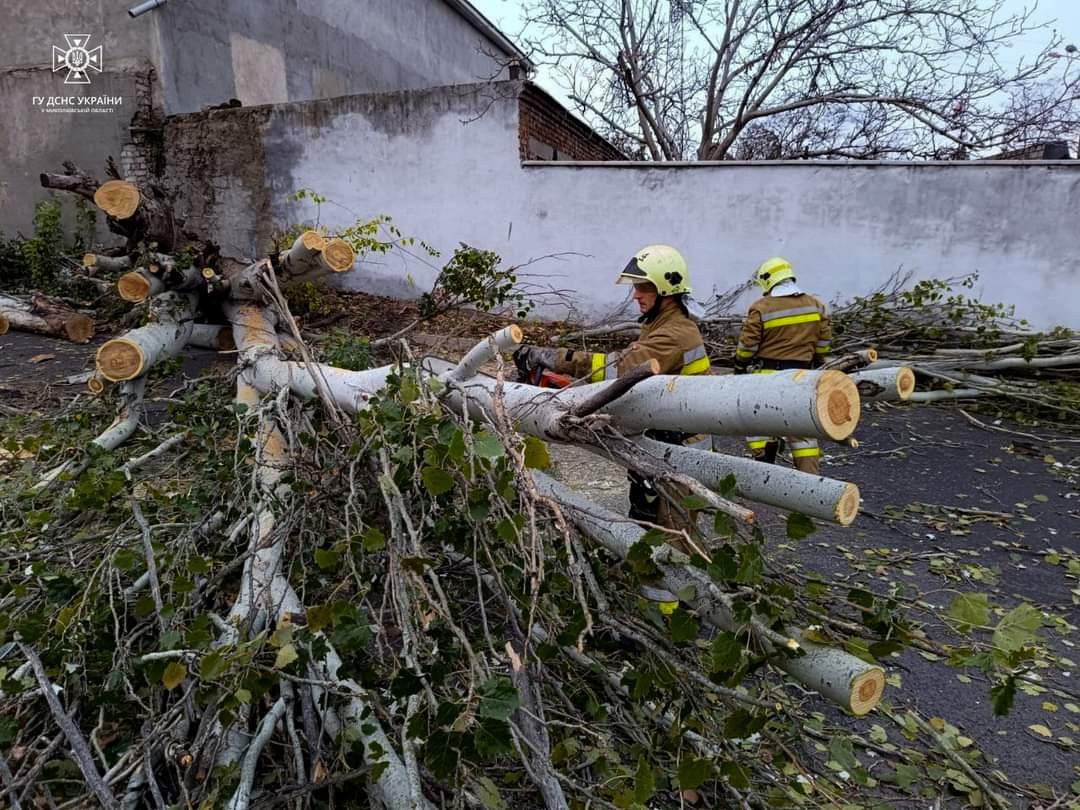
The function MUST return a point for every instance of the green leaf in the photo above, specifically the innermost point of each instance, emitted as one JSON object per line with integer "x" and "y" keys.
{"x": 727, "y": 485}
{"x": 741, "y": 723}
{"x": 212, "y": 665}
{"x": 906, "y": 775}
{"x": 488, "y": 445}
{"x": 693, "y": 503}
{"x": 124, "y": 559}
{"x": 499, "y": 699}
{"x": 318, "y": 618}
{"x": 693, "y": 773}
{"x": 327, "y": 559}
{"x": 751, "y": 564}
{"x": 9, "y": 729}
{"x": 374, "y": 540}
{"x": 492, "y": 738}
{"x": 970, "y": 610}
{"x": 285, "y": 656}
{"x": 1002, "y": 696}
{"x": 736, "y": 775}
{"x": 437, "y": 480}
{"x": 1017, "y": 628}
{"x": 726, "y": 654}
{"x": 536, "y": 454}
{"x": 173, "y": 675}
{"x": 723, "y": 525}
{"x": 644, "y": 782}
{"x": 841, "y": 752}
{"x": 799, "y": 526}
{"x": 684, "y": 627}
{"x": 488, "y": 794}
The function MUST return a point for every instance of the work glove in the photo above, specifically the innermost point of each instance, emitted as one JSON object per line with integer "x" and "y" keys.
{"x": 740, "y": 368}
{"x": 530, "y": 357}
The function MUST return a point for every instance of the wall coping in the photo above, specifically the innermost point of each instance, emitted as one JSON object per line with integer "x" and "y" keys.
{"x": 814, "y": 164}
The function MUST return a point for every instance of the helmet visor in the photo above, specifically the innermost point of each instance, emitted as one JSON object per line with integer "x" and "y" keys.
{"x": 632, "y": 274}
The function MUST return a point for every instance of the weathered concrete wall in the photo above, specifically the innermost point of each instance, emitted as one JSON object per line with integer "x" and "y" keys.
{"x": 846, "y": 226}
{"x": 214, "y": 50}
{"x": 204, "y": 52}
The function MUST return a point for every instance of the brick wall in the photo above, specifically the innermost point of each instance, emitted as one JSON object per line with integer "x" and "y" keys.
{"x": 547, "y": 131}
{"x": 142, "y": 158}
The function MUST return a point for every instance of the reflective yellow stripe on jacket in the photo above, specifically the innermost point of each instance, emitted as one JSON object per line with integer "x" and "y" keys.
{"x": 695, "y": 361}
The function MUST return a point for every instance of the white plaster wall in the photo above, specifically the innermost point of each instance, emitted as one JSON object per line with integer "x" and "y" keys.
{"x": 845, "y": 226}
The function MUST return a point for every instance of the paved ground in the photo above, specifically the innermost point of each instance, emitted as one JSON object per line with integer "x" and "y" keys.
{"x": 918, "y": 468}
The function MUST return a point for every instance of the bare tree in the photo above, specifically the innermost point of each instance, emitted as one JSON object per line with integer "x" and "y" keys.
{"x": 716, "y": 79}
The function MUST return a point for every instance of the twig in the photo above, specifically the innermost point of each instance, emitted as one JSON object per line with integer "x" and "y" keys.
{"x": 9, "y": 782}
{"x": 80, "y": 751}
{"x": 242, "y": 797}
{"x": 151, "y": 566}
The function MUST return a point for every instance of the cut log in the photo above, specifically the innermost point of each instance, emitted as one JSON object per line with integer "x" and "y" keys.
{"x": 97, "y": 262}
{"x": 304, "y": 256}
{"x": 313, "y": 256}
{"x": 505, "y": 340}
{"x": 812, "y": 495}
{"x": 885, "y": 384}
{"x": 138, "y": 285}
{"x": 212, "y": 336}
{"x": 839, "y": 676}
{"x": 819, "y": 404}
{"x": 46, "y": 316}
{"x": 118, "y": 198}
{"x": 133, "y": 354}
{"x": 339, "y": 255}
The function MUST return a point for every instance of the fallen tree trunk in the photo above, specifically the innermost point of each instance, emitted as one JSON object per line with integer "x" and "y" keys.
{"x": 820, "y": 404}
{"x": 135, "y": 353}
{"x": 46, "y": 316}
{"x": 139, "y": 214}
{"x": 839, "y": 676}
{"x": 813, "y": 495}
{"x": 885, "y": 384}
{"x": 212, "y": 336}
{"x": 99, "y": 262}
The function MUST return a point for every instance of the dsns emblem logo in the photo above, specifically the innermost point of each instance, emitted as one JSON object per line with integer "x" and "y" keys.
{"x": 78, "y": 60}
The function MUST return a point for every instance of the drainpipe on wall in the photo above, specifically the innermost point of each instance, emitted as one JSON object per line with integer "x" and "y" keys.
{"x": 145, "y": 6}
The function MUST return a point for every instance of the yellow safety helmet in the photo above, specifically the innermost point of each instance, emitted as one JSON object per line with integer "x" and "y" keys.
{"x": 663, "y": 265}
{"x": 772, "y": 272}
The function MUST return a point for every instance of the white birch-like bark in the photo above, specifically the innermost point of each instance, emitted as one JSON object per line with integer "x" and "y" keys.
{"x": 136, "y": 352}
{"x": 813, "y": 495}
{"x": 842, "y": 678}
{"x": 897, "y": 383}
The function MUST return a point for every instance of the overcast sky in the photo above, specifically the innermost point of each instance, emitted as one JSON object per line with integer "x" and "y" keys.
{"x": 506, "y": 15}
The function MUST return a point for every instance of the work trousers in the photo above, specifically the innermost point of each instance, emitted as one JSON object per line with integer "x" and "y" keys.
{"x": 805, "y": 453}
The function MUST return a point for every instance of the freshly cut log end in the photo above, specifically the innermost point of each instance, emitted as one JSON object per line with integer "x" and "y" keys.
{"x": 837, "y": 404}
{"x": 313, "y": 240}
{"x": 339, "y": 255}
{"x": 208, "y": 273}
{"x": 4, "y": 325}
{"x": 871, "y": 355}
{"x": 847, "y": 508}
{"x": 95, "y": 385}
{"x": 89, "y": 259}
{"x": 905, "y": 382}
{"x": 516, "y": 334}
{"x": 133, "y": 287}
{"x": 79, "y": 328}
{"x": 120, "y": 359}
{"x": 118, "y": 198}
{"x": 866, "y": 690}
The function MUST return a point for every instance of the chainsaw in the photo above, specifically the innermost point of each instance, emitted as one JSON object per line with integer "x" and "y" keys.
{"x": 539, "y": 376}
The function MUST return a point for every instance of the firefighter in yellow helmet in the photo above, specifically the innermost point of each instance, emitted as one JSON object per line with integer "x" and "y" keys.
{"x": 661, "y": 282}
{"x": 785, "y": 329}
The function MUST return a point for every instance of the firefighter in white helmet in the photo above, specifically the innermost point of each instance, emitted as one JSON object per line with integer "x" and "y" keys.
{"x": 668, "y": 335}
{"x": 785, "y": 329}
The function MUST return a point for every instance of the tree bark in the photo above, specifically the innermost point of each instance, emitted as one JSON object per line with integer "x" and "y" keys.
{"x": 842, "y": 678}
{"x": 813, "y": 495}
{"x": 885, "y": 384}
{"x": 45, "y": 316}
{"x": 133, "y": 354}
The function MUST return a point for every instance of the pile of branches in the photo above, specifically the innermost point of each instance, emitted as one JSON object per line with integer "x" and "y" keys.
{"x": 316, "y": 586}
{"x": 958, "y": 347}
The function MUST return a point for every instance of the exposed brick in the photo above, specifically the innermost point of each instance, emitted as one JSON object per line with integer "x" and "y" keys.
{"x": 547, "y": 131}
